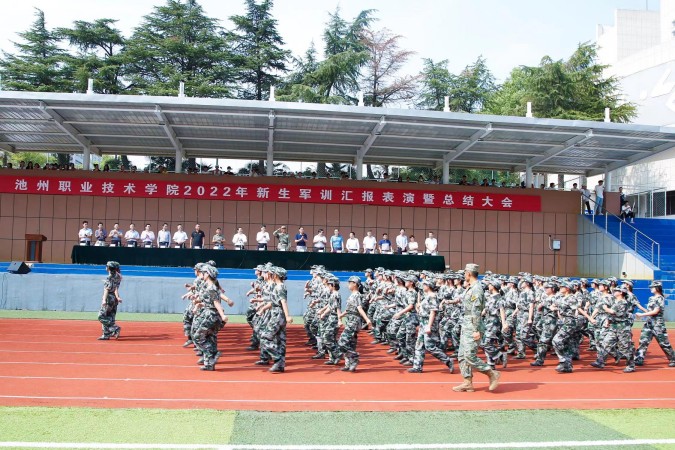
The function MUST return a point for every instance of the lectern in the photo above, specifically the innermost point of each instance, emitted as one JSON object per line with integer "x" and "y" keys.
{"x": 34, "y": 247}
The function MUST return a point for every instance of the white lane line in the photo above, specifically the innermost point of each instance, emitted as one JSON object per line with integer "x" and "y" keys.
{"x": 467, "y": 445}
{"x": 340, "y": 382}
{"x": 347, "y": 402}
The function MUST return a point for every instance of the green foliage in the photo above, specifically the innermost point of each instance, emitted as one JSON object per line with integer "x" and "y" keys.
{"x": 112, "y": 161}
{"x": 178, "y": 42}
{"x": 258, "y": 55}
{"x": 573, "y": 89}
{"x": 435, "y": 81}
{"x": 39, "y": 158}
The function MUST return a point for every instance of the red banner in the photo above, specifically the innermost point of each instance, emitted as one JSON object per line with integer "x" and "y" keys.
{"x": 415, "y": 196}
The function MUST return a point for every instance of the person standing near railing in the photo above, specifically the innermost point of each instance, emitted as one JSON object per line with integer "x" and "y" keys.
{"x": 586, "y": 198}
{"x": 599, "y": 197}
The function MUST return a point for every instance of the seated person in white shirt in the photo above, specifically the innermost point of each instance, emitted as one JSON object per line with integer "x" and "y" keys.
{"x": 413, "y": 245}
{"x": 369, "y": 242}
{"x": 180, "y": 237}
{"x": 401, "y": 242}
{"x": 320, "y": 241}
{"x": 132, "y": 236}
{"x": 218, "y": 240}
{"x": 100, "y": 235}
{"x": 115, "y": 236}
{"x": 147, "y": 236}
{"x": 431, "y": 245}
{"x": 262, "y": 238}
{"x": 164, "y": 237}
{"x": 84, "y": 235}
{"x": 239, "y": 239}
{"x": 353, "y": 245}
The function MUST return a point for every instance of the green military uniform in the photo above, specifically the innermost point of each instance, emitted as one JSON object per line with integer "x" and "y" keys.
{"x": 428, "y": 341}
{"x": 108, "y": 309}
{"x": 655, "y": 327}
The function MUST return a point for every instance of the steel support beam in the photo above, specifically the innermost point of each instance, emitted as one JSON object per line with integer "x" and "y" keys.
{"x": 175, "y": 142}
{"x": 558, "y": 149}
{"x": 632, "y": 160}
{"x": 466, "y": 145}
{"x": 370, "y": 140}
{"x": 73, "y": 133}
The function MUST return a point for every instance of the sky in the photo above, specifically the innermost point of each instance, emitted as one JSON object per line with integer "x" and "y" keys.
{"x": 507, "y": 33}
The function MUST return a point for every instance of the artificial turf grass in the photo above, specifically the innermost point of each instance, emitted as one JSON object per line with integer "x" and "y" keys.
{"x": 637, "y": 423}
{"x": 152, "y": 426}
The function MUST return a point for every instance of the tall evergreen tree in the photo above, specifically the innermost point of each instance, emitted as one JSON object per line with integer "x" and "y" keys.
{"x": 258, "y": 54}
{"x": 179, "y": 42}
{"x": 435, "y": 82}
{"x": 100, "y": 45}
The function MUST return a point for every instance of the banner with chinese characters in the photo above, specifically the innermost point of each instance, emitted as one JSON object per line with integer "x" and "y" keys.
{"x": 379, "y": 194}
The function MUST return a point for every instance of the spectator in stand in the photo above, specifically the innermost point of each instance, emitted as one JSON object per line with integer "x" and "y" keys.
{"x": 586, "y": 198}
{"x": 106, "y": 168}
{"x": 474, "y": 182}
{"x": 22, "y": 165}
{"x": 229, "y": 171}
{"x": 115, "y": 236}
{"x": 503, "y": 185}
{"x": 622, "y": 196}
{"x": 627, "y": 212}
{"x": 485, "y": 183}
{"x": 218, "y": 240}
{"x": 431, "y": 245}
{"x": 336, "y": 242}
{"x": 463, "y": 181}
{"x": 401, "y": 242}
{"x": 164, "y": 237}
{"x": 96, "y": 169}
{"x": 551, "y": 187}
{"x": 262, "y": 238}
{"x": 369, "y": 242}
{"x": 599, "y": 197}
{"x": 575, "y": 187}
{"x": 100, "y": 235}
{"x": 385, "y": 244}
{"x": 84, "y": 234}
{"x": 301, "y": 239}
{"x": 180, "y": 237}
{"x": 147, "y": 236}
{"x": 132, "y": 236}
{"x": 239, "y": 239}
{"x": 197, "y": 237}
{"x": 413, "y": 246}
{"x": 30, "y": 165}
{"x": 320, "y": 241}
{"x": 352, "y": 243}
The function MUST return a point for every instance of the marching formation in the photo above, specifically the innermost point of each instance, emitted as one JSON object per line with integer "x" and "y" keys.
{"x": 449, "y": 315}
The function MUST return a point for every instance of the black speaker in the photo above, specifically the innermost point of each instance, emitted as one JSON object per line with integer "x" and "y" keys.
{"x": 18, "y": 267}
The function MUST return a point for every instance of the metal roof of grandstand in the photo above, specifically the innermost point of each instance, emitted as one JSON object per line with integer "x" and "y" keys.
{"x": 241, "y": 129}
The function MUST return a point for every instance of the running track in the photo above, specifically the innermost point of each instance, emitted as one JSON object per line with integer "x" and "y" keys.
{"x": 60, "y": 363}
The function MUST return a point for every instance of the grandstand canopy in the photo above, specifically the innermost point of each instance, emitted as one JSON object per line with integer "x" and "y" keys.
{"x": 252, "y": 130}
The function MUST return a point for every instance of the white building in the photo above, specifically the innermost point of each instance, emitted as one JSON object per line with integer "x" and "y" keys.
{"x": 640, "y": 50}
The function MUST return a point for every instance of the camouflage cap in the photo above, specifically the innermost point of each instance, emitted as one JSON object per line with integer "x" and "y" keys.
{"x": 211, "y": 271}
{"x": 656, "y": 284}
{"x": 472, "y": 267}
{"x": 113, "y": 265}
{"x": 627, "y": 282}
{"x": 621, "y": 289}
{"x": 211, "y": 262}
{"x": 354, "y": 279}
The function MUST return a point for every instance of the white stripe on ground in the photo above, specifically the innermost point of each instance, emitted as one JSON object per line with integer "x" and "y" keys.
{"x": 468, "y": 445}
{"x": 348, "y": 402}
{"x": 340, "y": 382}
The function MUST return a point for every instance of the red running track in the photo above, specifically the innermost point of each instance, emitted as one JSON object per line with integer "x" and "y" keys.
{"x": 60, "y": 363}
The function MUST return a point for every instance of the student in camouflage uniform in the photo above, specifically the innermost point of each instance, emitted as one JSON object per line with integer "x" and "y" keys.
{"x": 312, "y": 290}
{"x": 549, "y": 322}
{"x": 446, "y": 309}
{"x": 654, "y": 327}
{"x": 407, "y": 333}
{"x": 355, "y": 316}
{"x": 398, "y": 305}
{"x": 428, "y": 338}
{"x": 262, "y": 316}
{"x": 525, "y": 317}
{"x": 603, "y": 299}
{"x": 619, "y": 332}
{"x": 457, "y": 311}
{"x": 251, "y": 317}
{"x": 273, "y": 334}
{"x": 493, "y": 317}
{"x": 564, "y": 342}
{"x": 473, "y": 301}
{"x": 382, "y": 316}
{"x": 510, "y": 303}
{"x": 322, "y": 294}
{"x": 188, "y": 314}
{"x": 111, "y": 298}
{"x": 211, "y": 318}
{"x": 328, "y": 315}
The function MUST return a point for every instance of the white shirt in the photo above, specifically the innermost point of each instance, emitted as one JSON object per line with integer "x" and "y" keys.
{"x": 180, "y": 237}
{"x": 147, "y": 236}
{"x": 413, "y": 247}
{"x": 163, "y": 236}
{"x": 599, "y": 191}
{"x": 369, "y": 243}
{"x": 320, "y": 241}
{"x": 263, "y": 237}
{"x": 402, "y": 241}
{"x": 586, "y": 194}
{"x": 131, "y": 235}
{"x": 431, "y": 244}
{"x": 353, "y": 245}
{"x": 85, "y": 234}
{"x": 239, "y": 239}
{"x": 626, "y": 208}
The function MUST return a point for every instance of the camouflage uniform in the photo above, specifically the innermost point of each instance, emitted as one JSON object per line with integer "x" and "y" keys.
{"x": 473, "y": 302}
{"x": 456, "y": 316}
{"x": 189, "y": 313}
{"x": 353, "y": 323}
{"x": 510, "y": 301}
{"x": 493, "y": 327}
{"x": 524, "y": 335}
{"x": 382, "y": 314}
{"x": 548, "y": 328}
{"x": 107, "y": 313}
{"x": 601, "y": 320}
{"x": 205, "y": 334}
{"x": 428, "y": 342}
{"x": 655, "y": 327}
{"x": 395, "y": 324}
{"x": 251, "y": 317}
{"x": 407, "y": 333}
{"x": 619, "y": 335}
{"x": 563, "y": 340}
{"x": 273, "y": 334}
{"x": 329, "y": 326}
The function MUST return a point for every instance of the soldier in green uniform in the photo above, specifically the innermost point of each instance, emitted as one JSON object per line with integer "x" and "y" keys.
{"x": 549, "y": 322}
{"x": 355, "y": 316}
{"x": 619, "y": 332}
{"x": 211, "y": 318}
{"x": 493, "y": 317}
{"x": 407, "y": 334}
{"x": 273, "y": 334}
{"x": 111, "y": 298}
{"x": 655, "y": 326}
{"x": 473, "y": 301}
{"x": 283, "y": 241}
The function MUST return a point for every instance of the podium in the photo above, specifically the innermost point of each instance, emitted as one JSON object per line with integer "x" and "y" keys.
{"x": 34, "y": 247}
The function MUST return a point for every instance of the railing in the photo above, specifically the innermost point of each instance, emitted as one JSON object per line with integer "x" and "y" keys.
{"x": 642, "y": 244}
{"x": 648, "y": 203}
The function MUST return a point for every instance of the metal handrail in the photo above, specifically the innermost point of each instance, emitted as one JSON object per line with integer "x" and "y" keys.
{"x": 654, "y": 260}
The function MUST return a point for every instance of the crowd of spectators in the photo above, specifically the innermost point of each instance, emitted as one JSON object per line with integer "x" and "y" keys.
{"x": 299, "y": 242}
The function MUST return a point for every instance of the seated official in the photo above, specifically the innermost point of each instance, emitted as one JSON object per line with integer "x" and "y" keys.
{"x": 164, "y": 237}
{"x": 100, "y": 235}
{"x": 85, "y": 233}
{"x": 115, "y": 236}
{"x": 131, "y": 236}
